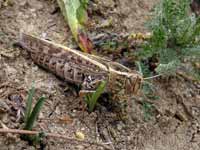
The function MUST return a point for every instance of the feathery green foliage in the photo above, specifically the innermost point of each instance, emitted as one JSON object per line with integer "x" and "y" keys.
{"x": 176, "y": 35}
{"x": 147, "y": 107}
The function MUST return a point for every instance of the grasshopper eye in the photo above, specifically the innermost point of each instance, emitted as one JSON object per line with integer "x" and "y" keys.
{"x": 89, "y": 78}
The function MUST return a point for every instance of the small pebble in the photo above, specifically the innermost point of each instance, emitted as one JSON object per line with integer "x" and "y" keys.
{"x": 79, "y": 135}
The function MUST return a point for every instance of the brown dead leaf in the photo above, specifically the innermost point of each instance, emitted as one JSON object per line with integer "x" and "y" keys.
{"x": 65, "y": 119}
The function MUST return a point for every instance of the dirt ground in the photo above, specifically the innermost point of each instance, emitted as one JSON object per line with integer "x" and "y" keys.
{"x": 173, "y": 125}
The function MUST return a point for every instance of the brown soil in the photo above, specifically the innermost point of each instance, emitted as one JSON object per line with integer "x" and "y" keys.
{"x": 174, "y": 122}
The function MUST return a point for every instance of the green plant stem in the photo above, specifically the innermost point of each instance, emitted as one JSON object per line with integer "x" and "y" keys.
{"x": 91, "y": 99}
{"x": 34, "y": 114}
{"x": 29, "y": 102}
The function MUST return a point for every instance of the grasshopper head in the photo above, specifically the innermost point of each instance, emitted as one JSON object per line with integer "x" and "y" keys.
{"x": 123, "y": 85}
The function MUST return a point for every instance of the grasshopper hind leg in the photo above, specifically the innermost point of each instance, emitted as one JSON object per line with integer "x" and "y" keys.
{"x": 120, "y": 106}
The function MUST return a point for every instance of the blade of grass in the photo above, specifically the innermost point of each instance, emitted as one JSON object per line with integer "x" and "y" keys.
{"x": 93, "y": 99}
{"x": 29, "y": 102}
{"x": 34, "y": 114}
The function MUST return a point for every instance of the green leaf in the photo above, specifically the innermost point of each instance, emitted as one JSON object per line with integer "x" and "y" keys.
{"x": 75, "y": 13}
{"x": 29, "y": 102}
{"x": 34, "y": 113}
{"x": 91, "y": 99}
{"x": 81, "y": 14}
{"x": 68, "y": 9}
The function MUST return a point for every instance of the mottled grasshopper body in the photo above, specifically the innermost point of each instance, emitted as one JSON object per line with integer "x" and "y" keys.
{"x": 84, "y": 69}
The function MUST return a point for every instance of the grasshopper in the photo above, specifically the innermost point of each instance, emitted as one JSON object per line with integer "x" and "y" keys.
{"x": 85, "y": 70}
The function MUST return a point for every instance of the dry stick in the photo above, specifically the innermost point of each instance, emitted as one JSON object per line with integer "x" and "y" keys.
{"x": 54, "y": 135}
{"x": 147, "y": 78}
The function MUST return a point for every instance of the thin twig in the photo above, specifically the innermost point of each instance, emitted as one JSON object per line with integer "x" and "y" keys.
{"x": 53, "y": 135}
{"x": 153, "y": 77}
